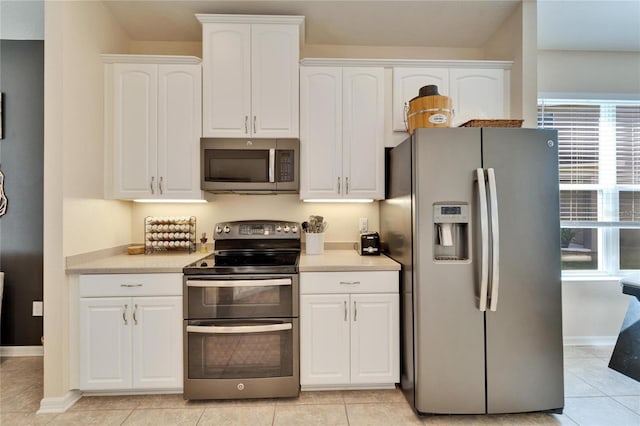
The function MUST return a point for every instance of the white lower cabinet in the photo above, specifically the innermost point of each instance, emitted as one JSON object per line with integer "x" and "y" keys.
{"x": 349, "y": 329}
{"x": 130, "y": 332}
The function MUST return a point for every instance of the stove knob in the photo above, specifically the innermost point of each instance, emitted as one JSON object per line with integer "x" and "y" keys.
{"x": 294, "y": 229}
{"x": 286, "y": 228}
{"x": 218, "y": 229}
{"x": 278, "y": 228}
{"x": 226, "y": 229}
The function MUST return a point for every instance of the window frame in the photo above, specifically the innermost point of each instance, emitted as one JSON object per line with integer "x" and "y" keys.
{"x": 608, "y": 229}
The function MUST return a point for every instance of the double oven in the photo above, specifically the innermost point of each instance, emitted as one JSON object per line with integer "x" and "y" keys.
{"x": 241, "y": 335}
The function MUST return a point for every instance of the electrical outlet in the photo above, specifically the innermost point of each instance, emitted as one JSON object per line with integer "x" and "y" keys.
{"x": 37, "y": 308}
{"x": 364, "y": 224}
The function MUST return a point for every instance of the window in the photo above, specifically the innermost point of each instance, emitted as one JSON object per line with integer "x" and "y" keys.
{"x": 599, "y": 162}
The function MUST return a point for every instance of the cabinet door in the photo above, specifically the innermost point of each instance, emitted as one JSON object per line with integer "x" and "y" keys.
{"x": 275, "y": 53}
{"x": 476, "y": 93}
{"x": 375, "y": 341}
{"x": 324, "y": 339}
{"x": 406, "y": 86}
{"x": 179, "y": 128}
{"x": 157, "y": 342}
{"x": 226, "y": 83}
{"x": 363, "y": 133}
{"x": 135, "y": 115}
{"x": 105, "y": 343}
{"x": 320, "y": 131}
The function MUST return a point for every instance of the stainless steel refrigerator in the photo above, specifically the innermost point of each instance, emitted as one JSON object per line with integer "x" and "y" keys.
{"x": 472, "y": 216}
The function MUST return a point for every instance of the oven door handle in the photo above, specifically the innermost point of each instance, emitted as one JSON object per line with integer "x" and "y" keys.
{"x": 239, "y": 283}
{"x": 214, "y": 329}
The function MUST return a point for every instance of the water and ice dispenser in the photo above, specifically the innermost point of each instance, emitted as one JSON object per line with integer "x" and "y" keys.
{"x": 450, "y": 231}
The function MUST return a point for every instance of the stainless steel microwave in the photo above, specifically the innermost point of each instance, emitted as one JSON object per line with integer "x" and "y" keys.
{"x": 249, "y": 165}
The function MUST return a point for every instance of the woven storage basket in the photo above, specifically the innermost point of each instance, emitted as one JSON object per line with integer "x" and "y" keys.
{"x": 492, "y": 123}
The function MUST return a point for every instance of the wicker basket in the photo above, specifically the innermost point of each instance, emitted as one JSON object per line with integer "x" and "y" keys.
{"x": 492, "y": 123}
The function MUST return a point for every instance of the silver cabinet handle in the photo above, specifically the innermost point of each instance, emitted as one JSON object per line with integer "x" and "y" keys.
{"x": 355, "y": 311}
{"x": 345, "y": 310}
{"x": 349, "y": 282}
{"x": 239, "y": 283}
{"x": 346, "y": 181}
{"x": 124, "y": 314}
{"x": 135, "y": 309}
{"x": 338, "y": 184}
{"x": 484, "y": 229}
{"x": 495, "y": 240}
{"x": 160, "y": 185}
{"x": 246, "y": 121}
{"x": 213, "y": 329}
{"x": 130, "y": 285}
{"x": 254, "y": 124}
{"x": 272, "y": 165}
{"x": 405, "y": 112}
{"x": 153, "y": 178}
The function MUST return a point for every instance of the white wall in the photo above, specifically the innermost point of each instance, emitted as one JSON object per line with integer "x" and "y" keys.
{"x": 592, "y": 309}
{"x": 22, "y": 20}
{"x": 597, "y": 73}
{"x": 343, "y": 219}
{"x": 76, "y": 218}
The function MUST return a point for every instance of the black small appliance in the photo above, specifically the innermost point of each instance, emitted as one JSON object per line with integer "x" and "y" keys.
{"x": 369, "y": 244}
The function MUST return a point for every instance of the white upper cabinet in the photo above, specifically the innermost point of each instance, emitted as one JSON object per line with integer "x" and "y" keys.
{"x": 342, "y": 132}
{"x": 477, "y": 91}
{"x": 250, "y": 75}
{"x": 406, "y": 86}
{"x": 477, "y": 94}
{"x": 153, "y": 123}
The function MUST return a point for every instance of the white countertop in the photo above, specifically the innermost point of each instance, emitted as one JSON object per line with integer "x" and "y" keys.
{"x": 136, "y": 264}
{"x": 345, "y": 260}
{"x": 330, "y": 260}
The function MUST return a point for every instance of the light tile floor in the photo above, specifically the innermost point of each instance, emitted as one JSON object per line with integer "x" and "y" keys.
{"x": 595, "y": 395}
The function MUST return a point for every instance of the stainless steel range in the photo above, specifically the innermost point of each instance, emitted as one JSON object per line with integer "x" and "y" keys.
{"x": 241, "y": 337}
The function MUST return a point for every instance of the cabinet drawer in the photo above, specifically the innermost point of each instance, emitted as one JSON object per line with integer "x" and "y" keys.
{"x": 349, "y": 282}
{"x": 109, "y": 285}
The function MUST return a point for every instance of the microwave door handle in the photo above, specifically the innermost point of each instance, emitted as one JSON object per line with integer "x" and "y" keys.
{"x": 272, "y": 165}
{"x": 238, "y": 283}
{"x": 213, "y": 329}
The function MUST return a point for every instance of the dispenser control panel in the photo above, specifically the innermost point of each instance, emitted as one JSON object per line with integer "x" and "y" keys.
{"x": 451, "y": 213}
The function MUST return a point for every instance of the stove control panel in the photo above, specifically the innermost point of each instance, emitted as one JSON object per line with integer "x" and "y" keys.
{"x": 250, "y": 229}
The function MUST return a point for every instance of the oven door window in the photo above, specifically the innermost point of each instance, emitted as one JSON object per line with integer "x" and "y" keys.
{"x": 240, "y": 298}
{"x": 240, "y": 349}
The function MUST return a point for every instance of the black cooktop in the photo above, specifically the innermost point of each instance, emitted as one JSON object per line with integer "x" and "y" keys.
{"x": 251, "y": 247}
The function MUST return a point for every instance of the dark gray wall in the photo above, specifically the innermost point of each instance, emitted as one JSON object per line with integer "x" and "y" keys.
{"x": 22, "y": 162}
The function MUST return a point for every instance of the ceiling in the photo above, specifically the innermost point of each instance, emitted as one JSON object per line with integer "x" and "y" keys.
{"x": 562, "y": 24}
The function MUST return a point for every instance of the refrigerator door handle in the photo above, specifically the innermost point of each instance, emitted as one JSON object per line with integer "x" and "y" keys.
{"x": 484, "y": 229}
{"x": 495, "y": 241}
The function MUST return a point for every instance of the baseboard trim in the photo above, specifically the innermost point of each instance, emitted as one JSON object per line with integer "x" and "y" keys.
{"x": 59, "y": 405}
{"x": 8, "y": 351}
{"x": 590, "y": 340}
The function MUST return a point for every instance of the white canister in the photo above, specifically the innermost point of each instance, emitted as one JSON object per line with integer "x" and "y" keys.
{"x": 314, "y": 242}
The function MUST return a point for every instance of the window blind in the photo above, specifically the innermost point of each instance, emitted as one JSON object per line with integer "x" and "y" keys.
{"x": 599, "y": 164}
{"x": 578, "y": 140}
